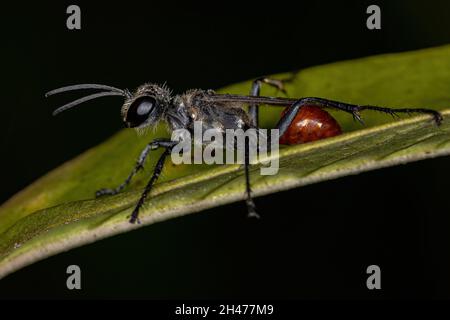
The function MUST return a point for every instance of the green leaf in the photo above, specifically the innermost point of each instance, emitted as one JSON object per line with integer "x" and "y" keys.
{"x": 59, "y": 212}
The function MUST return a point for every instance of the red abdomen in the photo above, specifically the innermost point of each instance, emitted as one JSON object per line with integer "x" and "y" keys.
{"x": 311, "y": 123}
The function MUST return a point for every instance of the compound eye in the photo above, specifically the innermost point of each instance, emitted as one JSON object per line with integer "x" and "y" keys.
{"x": 139, "y": 111}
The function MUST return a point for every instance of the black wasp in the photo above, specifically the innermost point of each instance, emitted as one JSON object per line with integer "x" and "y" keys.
{"x": 151, "y": 103}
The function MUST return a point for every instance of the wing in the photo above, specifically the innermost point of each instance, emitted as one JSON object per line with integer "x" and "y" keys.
{"x": 234, "y": 98}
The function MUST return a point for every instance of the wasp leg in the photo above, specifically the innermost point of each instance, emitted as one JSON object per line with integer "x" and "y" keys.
{"x": 253, "y": 112}
{"x": 155, "y": 144}
{"x": 253, "y": 109}
{"x": 156, "y": 172}
{"x": 437, "y": 116}
{"x": 354, "y": 110}
{"x": 248, "y": 191}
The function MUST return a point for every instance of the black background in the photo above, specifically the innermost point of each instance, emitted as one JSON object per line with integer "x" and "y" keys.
{"x": 313, "y": 242}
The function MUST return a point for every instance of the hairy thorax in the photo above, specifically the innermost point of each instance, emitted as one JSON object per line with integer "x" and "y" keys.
{"x": 192, "y": 106}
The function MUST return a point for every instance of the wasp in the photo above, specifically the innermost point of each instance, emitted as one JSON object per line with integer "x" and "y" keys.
{"x": 151, "y": 103}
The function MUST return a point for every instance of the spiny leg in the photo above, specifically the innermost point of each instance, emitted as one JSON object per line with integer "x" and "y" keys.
{"x": 254, "y": 119}
{"x": 253, "y": 109}
{"x": 248, "y": 191}
{"x": 155, "y": 144}
{"x": 157, "y": 171}
{"x": 437, "y": 116}
{"x": 354, "y": 110}
{"x": 253, "y": 112}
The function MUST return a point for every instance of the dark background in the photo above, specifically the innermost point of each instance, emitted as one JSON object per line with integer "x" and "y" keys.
{"x": 312, "y": 242}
